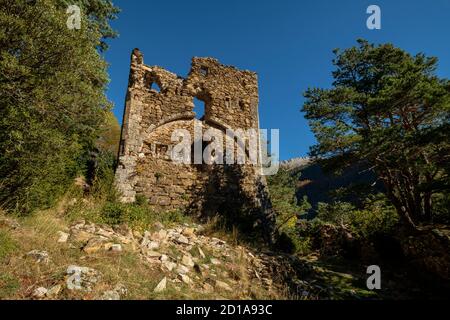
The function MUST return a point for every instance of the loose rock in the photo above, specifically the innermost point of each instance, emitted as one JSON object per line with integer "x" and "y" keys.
{"x": 161, "y": 285}
{"x": 81, "y": 278}
{"x": 223, "y": 286}
{"x": 40, "y": 292}
{"x": 116, "y": 248}
{"x": 187, "y": 261}
{"x": 110, "y": 295}
{"x": 63, "y": 237}
{"x": 39, "y": 256}
{"x": 54, "y": 291}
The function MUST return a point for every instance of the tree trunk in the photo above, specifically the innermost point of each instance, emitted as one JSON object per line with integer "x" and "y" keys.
{"x": 427, "y": 206}
{"x": 399, "y": 207}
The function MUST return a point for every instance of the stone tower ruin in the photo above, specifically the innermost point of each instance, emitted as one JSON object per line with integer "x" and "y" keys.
{"x": 145, "y": 167}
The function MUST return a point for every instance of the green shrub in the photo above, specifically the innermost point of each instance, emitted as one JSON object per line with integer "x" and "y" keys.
{"x": 291, "y": 241}
{"x": 282, "y": 188}
{"x": 376, "y": 216}
{"x": 138, "y": 215}
{"x": 52, "y": 98}
{"x": 442, "y": 207}
{"x": 102, "y": 177}
{"x": 113, "y": 213}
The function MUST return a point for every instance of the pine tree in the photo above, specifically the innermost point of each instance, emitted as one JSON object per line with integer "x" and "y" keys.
{"x": 388, "y": 110}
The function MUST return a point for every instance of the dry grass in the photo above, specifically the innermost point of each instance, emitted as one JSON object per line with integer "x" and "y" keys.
{"x": 21, "y": 275}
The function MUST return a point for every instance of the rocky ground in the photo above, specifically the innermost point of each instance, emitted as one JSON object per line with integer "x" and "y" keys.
{"x": 51, "y": 259}
{"x": 65, "y": 262}
{"x": 45, "y": 257}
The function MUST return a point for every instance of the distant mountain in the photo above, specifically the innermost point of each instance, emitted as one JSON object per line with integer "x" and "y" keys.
{"x": 321, "y": 186}
{"x": 295, "y": 163}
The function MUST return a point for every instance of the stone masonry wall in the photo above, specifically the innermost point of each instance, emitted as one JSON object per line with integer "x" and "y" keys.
{"x": 145, "y": 167}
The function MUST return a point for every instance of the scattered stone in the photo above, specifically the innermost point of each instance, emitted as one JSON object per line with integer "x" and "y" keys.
{"x": 54, "y": 291}
{"x": 182, "y": 269}
{"x": 153, "y": 254}
{"x": 151, "y": 245}
{"x": 187, "y": 261}
{"x": 80, "y": 236}
{"x": 185, "y": 278}
{"x": 215, "y": 261}
{"x": 223, "y": 286}
{"x": 199, "y": 229}
{"x": 105, "y": 233}
{"x": 160, "y": 235}
{"x": 40, "y": 292}
{"x": 182, "y": 239}
{"x": 207, "y": 288}
{"x": 110, "y": 295}
{"x": 161, "y": 285}
{"x": 121, "y": 289}
{"x": 94, "y": 245}
{"x": 116, "y": 248}
{"x": 63, "y": 237}
{"x": 202, "y": 254}
{"x": 123, "y": 230}
{"x": 81, "y": 278}
{"x": 169, "y": 265}
{"x": 137, "y": 234}
{"x": 164, "y": 258}
{"x": 90, "y": 228}
{"x": 188, "y": 232}
{"x": 39, "y": 256}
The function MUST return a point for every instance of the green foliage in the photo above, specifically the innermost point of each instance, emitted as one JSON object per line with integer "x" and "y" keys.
{"x": 52, "y": 102}
{"x": 99, "y": 13}
{"x": 282, "y": 187}
{"x": 442, "y": 207}
{"x": 389, "y": 111}
{"x": 376, "y": 216}
{"x": 292, "y": 241}
{"x": 108, "y": 140}
{"x": 103, "y": 186}
{"x": 138, "y": 215}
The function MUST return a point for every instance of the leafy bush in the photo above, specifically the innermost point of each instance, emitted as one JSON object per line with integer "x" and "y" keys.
{"x": 102, "y": 176}
{"x": 136, "y": 215}
{"x": 52, "y": 97}
{"x": 376, "y": 216}
{"x": 442, "y": 207}
{"x": 282, "y": 187}
{"x": 291, "y": 241}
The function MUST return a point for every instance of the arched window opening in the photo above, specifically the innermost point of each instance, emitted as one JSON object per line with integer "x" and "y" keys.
{"x": 154, "y": 86}
{"x": 242, "y": 105}
{"x": 204, "y": 71}
{"x": 199, "y": 109}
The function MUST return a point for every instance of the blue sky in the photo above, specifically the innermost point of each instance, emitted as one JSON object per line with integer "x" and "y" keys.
{"x": 288, "y": 43}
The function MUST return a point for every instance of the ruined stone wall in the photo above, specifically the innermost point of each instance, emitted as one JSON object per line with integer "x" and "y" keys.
{"x": 145, "y": 166}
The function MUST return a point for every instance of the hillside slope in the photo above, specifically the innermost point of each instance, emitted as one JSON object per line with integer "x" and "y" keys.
{"x": 52, "y": 256}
